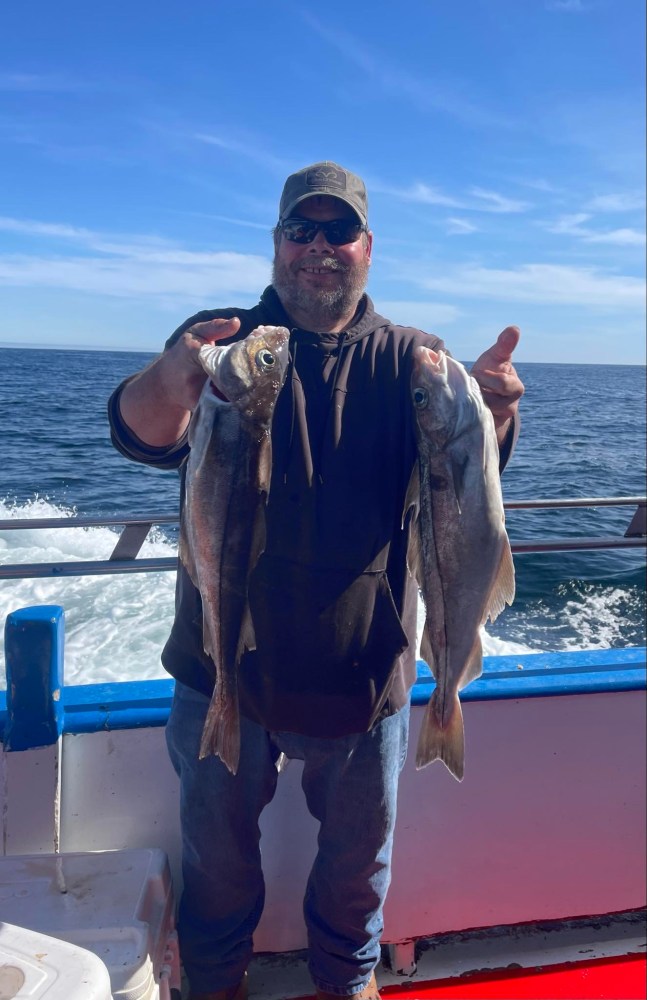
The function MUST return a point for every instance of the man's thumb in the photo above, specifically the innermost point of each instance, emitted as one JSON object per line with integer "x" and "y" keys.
{"x": 507, "y": 342}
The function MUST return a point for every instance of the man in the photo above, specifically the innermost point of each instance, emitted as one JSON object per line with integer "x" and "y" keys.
{"x": 332, "y": 603}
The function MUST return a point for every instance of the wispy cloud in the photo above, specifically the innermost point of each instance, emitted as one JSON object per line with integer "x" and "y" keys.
{"x": 424, "y": 93}
{"x": 495, "y": 202}
{"x": 421, "y": 194}
{"x": 618, "y": 237}
{"x": 37, "y": 83}
{"x": 460, "y": 227}
{"x": 478, "y": 199}
{"x": 231, "y": 221}
{"x": 624, "y": 201}
{"x": 255, "y": 150}
{"x": 184, "y": 276}
{"x": 540, "y": 283}
{"x": 572, "y": 225}
{"x": 568, "y": 6}
{"x": 30, "y": 227}
{"x": 424, "y": 315}
{"x": 137, "y": 266}
{"x": 538, "y": 184}
{"x": 608, "y": 124}
{"x": 119, "y": 244}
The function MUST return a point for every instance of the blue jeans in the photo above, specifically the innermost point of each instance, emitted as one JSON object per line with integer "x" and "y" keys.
{"x": 350, "y": 784}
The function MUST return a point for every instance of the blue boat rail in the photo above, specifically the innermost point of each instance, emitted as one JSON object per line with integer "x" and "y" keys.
{"x": 135, "y": 529}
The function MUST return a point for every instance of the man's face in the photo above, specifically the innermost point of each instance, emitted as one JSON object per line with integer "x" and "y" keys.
{"x": 319, "y": 279}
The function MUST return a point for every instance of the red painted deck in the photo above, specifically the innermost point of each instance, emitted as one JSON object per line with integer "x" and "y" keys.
{"x": 623, "y": 978}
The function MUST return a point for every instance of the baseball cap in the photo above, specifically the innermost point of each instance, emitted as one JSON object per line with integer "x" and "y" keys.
{"x": 324, "y": 178}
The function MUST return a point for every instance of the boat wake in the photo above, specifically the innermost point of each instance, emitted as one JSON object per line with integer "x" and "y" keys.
{"x": 115, "y": 626}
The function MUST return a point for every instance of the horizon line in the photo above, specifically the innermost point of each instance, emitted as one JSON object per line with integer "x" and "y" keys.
{"x": 14, "y": 345}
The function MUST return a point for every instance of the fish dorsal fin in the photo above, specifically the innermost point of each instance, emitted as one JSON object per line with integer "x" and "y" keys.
{"x": 502, "y": 591}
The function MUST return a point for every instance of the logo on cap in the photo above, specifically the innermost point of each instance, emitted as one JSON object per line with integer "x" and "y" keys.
{"x": 328, "y": 178}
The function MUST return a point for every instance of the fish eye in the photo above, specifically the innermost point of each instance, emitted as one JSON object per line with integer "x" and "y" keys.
{"x": 265, "y": 359}
{"x": 420, "y": 397}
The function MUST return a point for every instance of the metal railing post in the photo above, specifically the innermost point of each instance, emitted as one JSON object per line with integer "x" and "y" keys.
{"x": 638, "y": 525}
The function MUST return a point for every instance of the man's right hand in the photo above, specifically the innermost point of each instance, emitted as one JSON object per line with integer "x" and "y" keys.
{"x": 157, "y": 404}
{"x": 182, "y": 375}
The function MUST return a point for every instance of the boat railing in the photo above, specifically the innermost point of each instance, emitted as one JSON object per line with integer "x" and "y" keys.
{"x": 135, "y": 530}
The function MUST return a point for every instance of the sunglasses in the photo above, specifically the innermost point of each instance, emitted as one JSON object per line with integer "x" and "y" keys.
{"x": 337, "y": 231}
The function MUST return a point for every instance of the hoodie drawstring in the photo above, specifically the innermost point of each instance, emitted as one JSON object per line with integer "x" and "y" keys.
{"x": 343, "y": 337}
{"x": 294, "y": 379}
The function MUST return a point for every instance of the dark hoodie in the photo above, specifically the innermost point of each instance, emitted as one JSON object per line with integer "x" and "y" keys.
{"x": 332, "y": 603}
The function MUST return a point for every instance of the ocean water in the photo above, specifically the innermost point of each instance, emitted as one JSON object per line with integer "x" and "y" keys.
{"x": 583, "y": 435}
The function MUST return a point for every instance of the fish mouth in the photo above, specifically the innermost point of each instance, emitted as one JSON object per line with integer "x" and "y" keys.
{"x": 435, "y": 360}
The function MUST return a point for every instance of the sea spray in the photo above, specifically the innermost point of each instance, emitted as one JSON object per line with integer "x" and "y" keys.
{"x": 116, "y": 625}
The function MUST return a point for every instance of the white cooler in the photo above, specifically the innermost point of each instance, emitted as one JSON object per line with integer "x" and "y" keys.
{"x": 38, "y": 967}
{"x": 117, "y": 904}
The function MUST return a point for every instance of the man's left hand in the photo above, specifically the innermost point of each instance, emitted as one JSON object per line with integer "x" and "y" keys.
{"x": 500, "y": 385}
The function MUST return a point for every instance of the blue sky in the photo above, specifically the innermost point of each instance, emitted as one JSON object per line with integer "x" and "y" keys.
{"x": 144, "y": 146}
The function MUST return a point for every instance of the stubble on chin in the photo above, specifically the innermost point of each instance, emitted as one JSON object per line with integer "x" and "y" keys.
{"x": 324, "y": 306}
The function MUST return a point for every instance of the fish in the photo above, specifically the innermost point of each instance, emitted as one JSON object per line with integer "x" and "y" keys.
{"x": 458, "y": 552}
{"x": 222, "y": 526}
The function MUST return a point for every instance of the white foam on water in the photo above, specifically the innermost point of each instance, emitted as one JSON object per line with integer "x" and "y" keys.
{"x": 595, "y": 616}
{"x": 582, "y": 616}
{"x": 115, "y": 626}
{"x": 495, "y": 646}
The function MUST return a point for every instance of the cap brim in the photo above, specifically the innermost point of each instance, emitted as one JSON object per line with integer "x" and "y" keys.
{"x": 318, "y": 194}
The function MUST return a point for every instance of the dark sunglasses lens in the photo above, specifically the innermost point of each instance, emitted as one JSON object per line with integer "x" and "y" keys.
{"x": 341, "y": 231}
{"x": 337, "y": 232}
{"x": 299, "y": 231}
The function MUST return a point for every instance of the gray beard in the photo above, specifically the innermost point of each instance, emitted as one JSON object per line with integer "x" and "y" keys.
{"x": 326, "y": 307}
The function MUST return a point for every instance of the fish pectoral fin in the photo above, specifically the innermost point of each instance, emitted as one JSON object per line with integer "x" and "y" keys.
{"x": 264, "y": 466}
{"x": 258, "y": 537}
{"x": 412, "y": 497}
{"x": 459, "y": 469}
{"x": 502, "y": 591}
{"x": 438, "y": 742}
{"x": 414, "y": 552}
{"x": 247, "y": 637}
{"x": 185, "y": 554}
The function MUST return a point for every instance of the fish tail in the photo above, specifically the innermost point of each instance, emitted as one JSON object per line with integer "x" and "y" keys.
{"x": 221, "y": 733}
{"x": 438, "y": 741}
